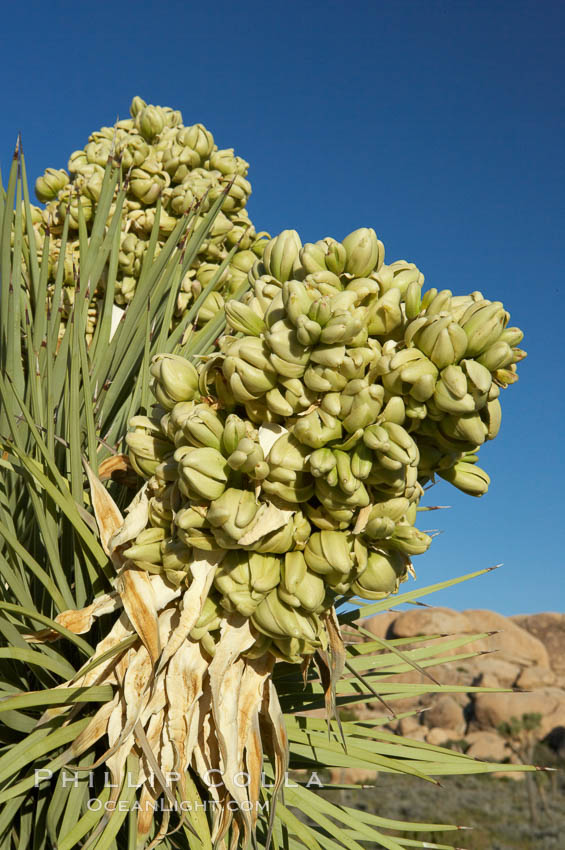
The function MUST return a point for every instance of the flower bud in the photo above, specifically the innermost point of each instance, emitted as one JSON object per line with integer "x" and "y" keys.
{"x": 400, "y": 275}
{"x": 317, "y": 428}
{"x": 467, "y": 477}
{"x": 363, "y": 252}
{"x": 145, "y": 186}
{"x": 150, "y": 121}
{"x": 175, "y": 379}
{"x": 243, "y": 319}
{"x": 330, "y": 550}
{"x": 336, "y": 257}
{"x": 50, "y": 184}
{"x": 281, "y": 254}
{"x": 312, "y": 258}
{"x": 198, "y": 138}
{"x": 204, "y": 472}
{"x": 298, "y": 586}
{"x": 383, "y": 574}
{"x": 233, "y": 512}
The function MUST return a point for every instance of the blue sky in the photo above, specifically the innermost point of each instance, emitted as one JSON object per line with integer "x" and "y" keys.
{"x": 440, "y": 124}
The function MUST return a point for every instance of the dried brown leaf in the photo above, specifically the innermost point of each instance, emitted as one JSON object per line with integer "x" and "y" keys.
{"x": 97, "y": 727}
{"x": 80, "y": 621}
{"x": 137, "y": 517}
{"x": 113, "y": 464}
{"x": 268, "y": 519}
{"x": 226, "y": 671}
{"x": 362, "y": 519}
{"x": 136, "y": 591}
{"x": 107, "y": 513}
{"x": 256, "y": 674}
{"x": 193, "y": 599}
{"x": 331, "y": 665}
{"x": 183, "y": 686}
{"x": 269, "y": 434}
{"x": 163, "y": 591}
{"x": 272, "y": 714}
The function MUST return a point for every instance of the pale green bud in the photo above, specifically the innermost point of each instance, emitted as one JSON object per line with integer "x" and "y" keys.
{"x": 285, "y": 538}
{"x": 176, "y": 555}
{"x": 248, "y": 457}
{"x": 379, "y": 528}
{"x": 247, "y": 382}
{"x": 235, "y": 430}
{"x": 336, "y": 258}
{"x": 301, "y": 490}
{"x": 233, "y": 512}
{"x": 330, "y": 550}
{"x": 308, "y": 332}
{"x": 382, "y": 576}
{"x": 334, "y": 499}
{"x": 134, "y": 152}
{"x": 317, "y": 428}
{"x": 182, "y": 199}
{"x": 296, "y": 300}
{"x": 175, "y": 379}
{"x": 146, "y": 452}
{"x": 399, "y": 275}
{"x": 50, "y": 184}
{"x": 191, "y": 517}
{"x": 178, "y": 162}
{"x": 277, "y": 403}
{"x": 198, "y": 138}
{"x": 150, "y": 121}
{"x": 409, "y": 540}
{"x": 366, "y": 289}
{"x": 204, "y": 472}
{"x": 281, "y": 254}
{"x": 467, "y": 477}
{"x": 413, "y": 300}
{"x": 385, "y": 314}
{"x": 243, "y": 319}
{"x": 483, "y": 323}
{"x": 203, "y": 427}
{"x": 468, "y": 428}
{"x": 499, "y": 355}
{"x": 77, "y": 161}
{"x": 322, "y": 461}
{"x": 362, "y": 250}
{"x": 312, "y": 258}
{"x": 491, "y": 415}
{"x": 209, "y": 620}
{"x": 210, "y": 307}
{"x": 225, "y": 162}
{"x": 298, "y": 586}
{"x": 147, "y": 186}
{"x": 278, "y": 620}
{"x": 361, "y": 461}
{"x": 441, "y": 339}
{"x": 136, "y": 106}
{"x": 288, "y": 356}
{"x": 513, "y": 336}
{"x": 69, "y": 206}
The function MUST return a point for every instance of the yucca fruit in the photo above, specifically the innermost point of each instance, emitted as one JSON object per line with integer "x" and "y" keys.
{"x": 284, "y": 468}
{"x": 168, "y": 170}
{"x": 283, "y": 475}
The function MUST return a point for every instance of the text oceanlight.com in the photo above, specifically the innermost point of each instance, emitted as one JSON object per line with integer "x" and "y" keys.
{"x": 97, "y": 805}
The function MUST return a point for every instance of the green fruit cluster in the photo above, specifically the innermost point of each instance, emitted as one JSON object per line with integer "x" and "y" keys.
{"x": 340, "y": 391}
{"x": 163, "y": 159}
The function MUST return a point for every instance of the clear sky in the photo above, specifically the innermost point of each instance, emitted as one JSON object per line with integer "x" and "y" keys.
{"x": 440, "y": 124}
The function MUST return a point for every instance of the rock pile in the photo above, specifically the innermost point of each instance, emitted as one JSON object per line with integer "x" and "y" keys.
{"x": 525, "y": 653}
